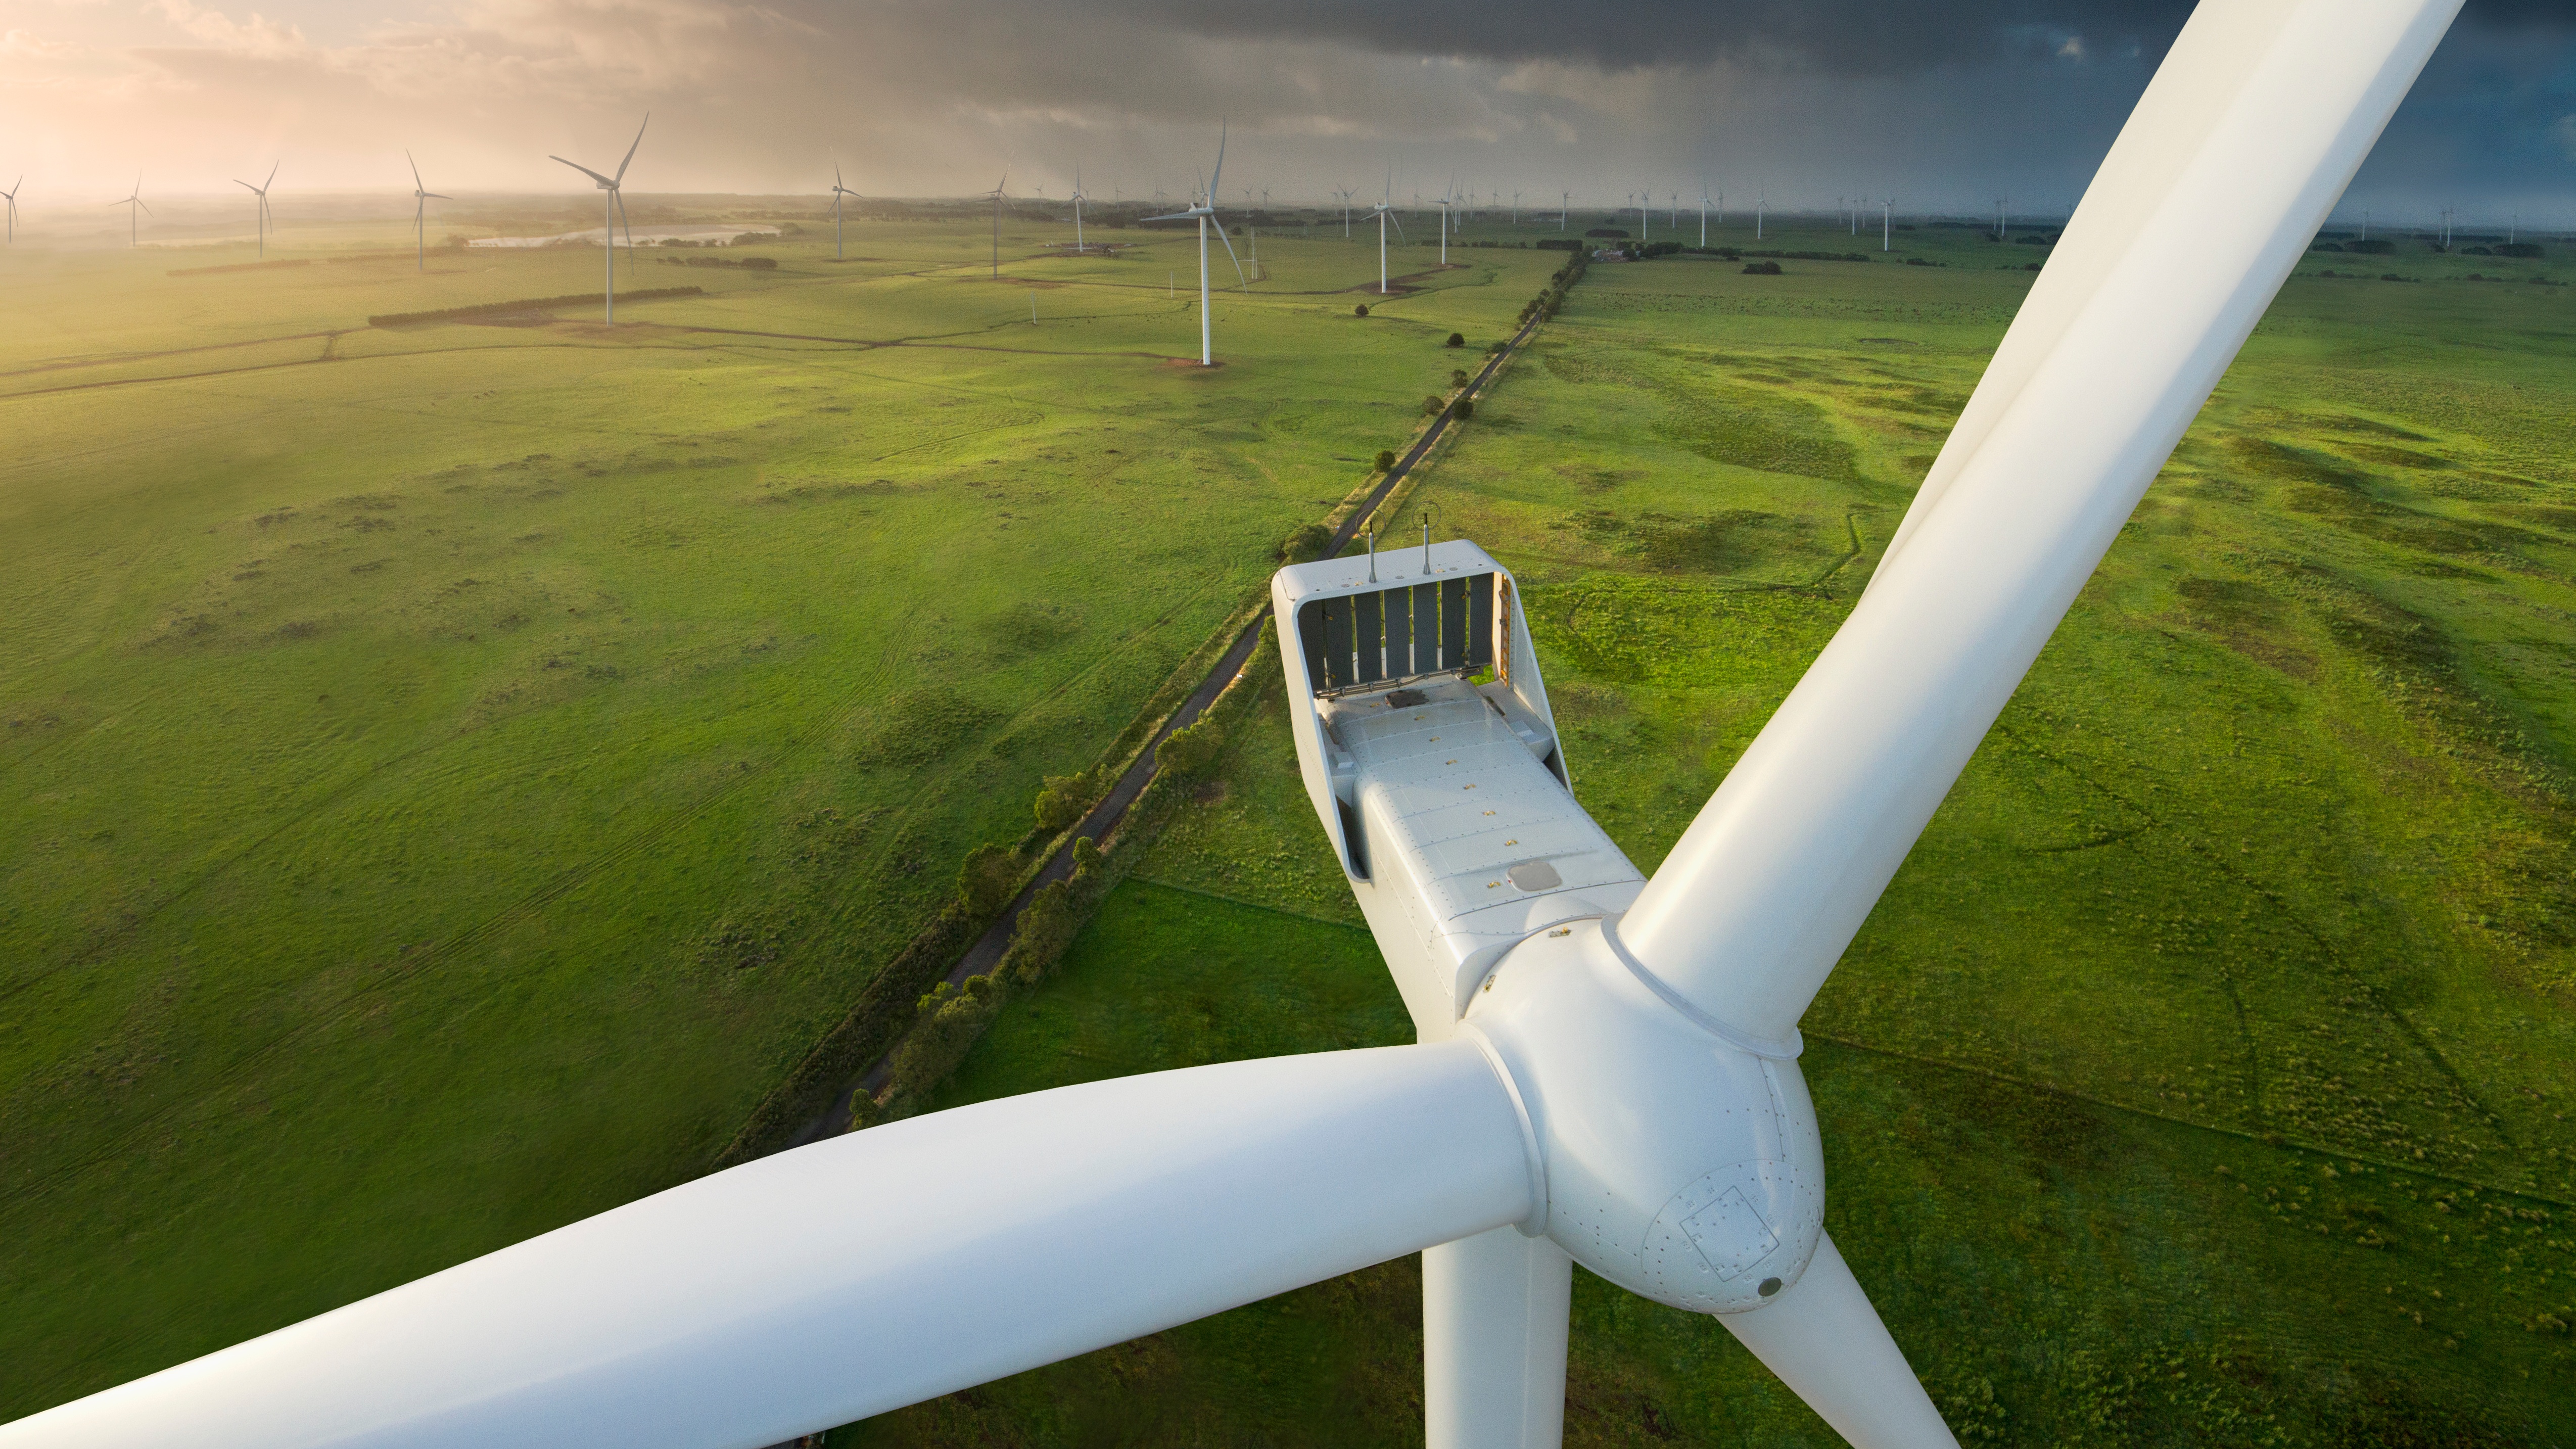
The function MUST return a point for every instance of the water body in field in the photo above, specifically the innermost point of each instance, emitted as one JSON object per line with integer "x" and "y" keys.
{"x": 651, "y": 236}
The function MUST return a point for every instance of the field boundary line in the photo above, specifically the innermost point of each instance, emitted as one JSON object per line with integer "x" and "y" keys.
{"x": 2281, "y": 1139}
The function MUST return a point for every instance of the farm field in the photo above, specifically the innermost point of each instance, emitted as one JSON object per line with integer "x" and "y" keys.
{"x": 2202, "y": 1078}
{"x": 450, "y": 771}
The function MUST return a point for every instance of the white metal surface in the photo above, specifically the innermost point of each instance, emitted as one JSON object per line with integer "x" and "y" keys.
{"x": 1679, "y": 1166}
{"x": 1493, "y": 1342}
{"x": 1825, "y": 1342}
{"x": 1473, "y": 844}
{"x": 2249, "y": 133}
{"x": 873, "y": 1270}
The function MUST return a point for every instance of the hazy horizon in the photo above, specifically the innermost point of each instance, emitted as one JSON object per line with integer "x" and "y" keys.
{"x": 1944, "y": 107}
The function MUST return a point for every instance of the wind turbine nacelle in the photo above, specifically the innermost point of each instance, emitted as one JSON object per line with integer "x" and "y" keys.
{"x": 1428, "y": 749}
{"x": 1679, "y": 1159}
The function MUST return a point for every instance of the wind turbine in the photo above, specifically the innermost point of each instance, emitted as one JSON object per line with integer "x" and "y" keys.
{"x": 1345, "y": 194}
{"x": 838, "y": 191}
{"x": 133, "y": 235}
{"x": 1444, "y": 200}
{"x": 1516, "y": 209}
{"x": 1202, "y": 210}
{"x": 612, "y": 211}
{"x": 11, "y": 196}
{"x": 421, "y": 197}
{"x": 1563, "y": 199}
{"x": 1078, "y": 199}
{"x": 1759, "y": 201}
{"x": 1610, "y": 1077}
{"x": 1385, "y": 214}
{"x": 1887, "y": 225}
{"x": 1703, "y": 218}
{"x": 260, "y": 217}
{"x": 996, "y": 194}
{"x": 1645, "y": 215}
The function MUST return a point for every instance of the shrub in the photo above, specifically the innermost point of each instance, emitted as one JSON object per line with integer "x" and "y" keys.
{"x": 1761, "y": 269}
{"x": 1385, "y": 459}
{"x": 2526, "y": 250}
{"x": 984, "y": 881}
{"x": 1062, "y": 801}
{"x": 1463, "y": 409}
{"x": 1457, "y": 339}
{"x": 1431, "y": 405}
{"x": 1086, "y": 857}
{"x": 1457, "y": 377}
{"x": 1186, "y": 752}
{"x": 2376, "y": 247}
{"x": 1360, "y": 311}
{"x": 1306, "y": 544}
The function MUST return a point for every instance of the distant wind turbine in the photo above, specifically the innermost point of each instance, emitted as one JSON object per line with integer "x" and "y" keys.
{"x": 1887, "y": 225}
{"x": 1345, "y": 195}
{"x": 421, "y": 197}
{"x": 11, "y": 196}
{"x": 1563, "y": 198}
{"x": 838, "y": 191}
{"x": 1385, "y": 214}
{"x": 1202, "y": 210}
{"x": 133, "y": 236}
{"x": 1078, "y": 199}
{"x": 996, "y": 194}
{"x": 613, "y": 211}
{"x": 1703, "y": 217}
{"x": 1444, "y": 201}
{"x": 260, "y": 217}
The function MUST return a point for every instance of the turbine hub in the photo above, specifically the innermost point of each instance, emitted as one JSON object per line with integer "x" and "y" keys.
{"x": 1678, "y": 1165}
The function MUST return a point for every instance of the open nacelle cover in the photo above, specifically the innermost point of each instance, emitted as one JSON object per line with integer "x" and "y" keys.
{"x": 1426, "y": 743}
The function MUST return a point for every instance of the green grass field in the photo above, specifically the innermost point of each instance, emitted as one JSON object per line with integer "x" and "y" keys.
{"x": 2202, "y": 1078}
{"x": 449, "y": 772}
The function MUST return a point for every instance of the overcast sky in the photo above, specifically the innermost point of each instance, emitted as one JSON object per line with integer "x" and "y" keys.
{"x": 1943, "y": 104}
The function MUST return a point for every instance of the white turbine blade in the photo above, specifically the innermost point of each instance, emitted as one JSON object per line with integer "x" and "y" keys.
{"x": 874, "y": 1270}
{"x": 1494, "y": 1318}
{"x": 1826, "y": 1342}
{"x": 1219, "y": 173}
{"x": 272, "y": 177}
{"x": 436, "y": 196}
{"x": 630, "y": 150}
{"x": 1169, "y": 216}
{"x": 416, "y": 183}
{"x": 584, "y": 170}
{"x": 1229, "y": 255}
{"x": 2258, "y": 118}
{"x": 1399, "y": 222}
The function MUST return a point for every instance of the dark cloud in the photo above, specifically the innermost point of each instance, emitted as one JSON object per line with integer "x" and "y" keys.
{"x": 1842, "y": 36}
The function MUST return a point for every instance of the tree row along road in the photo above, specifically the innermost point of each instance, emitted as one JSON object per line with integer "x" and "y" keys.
{"x": 986, "y": 953}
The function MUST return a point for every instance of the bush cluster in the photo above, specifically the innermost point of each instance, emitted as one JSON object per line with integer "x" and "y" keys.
{"x": 1559, "y": 282}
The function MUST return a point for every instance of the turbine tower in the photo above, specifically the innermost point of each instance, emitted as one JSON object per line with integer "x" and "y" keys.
{"x": 1385, "y": 214}
{"x": 1444, "y": 200}
{"x": 1563, "y": 200}
{"x": 421, "y": 197}
{"x": 996, "y": 194}
{"x": 1703, "y": 218}
{"x": 1078, "y": 199}
{"x": 11, "y": 195}
{"x": 612, "y": 211}
{"x": 133, "y": 200}
{"x": 1607, "y": 1071}
{"x": 260, "y": 215}
{"x": 1203, "y": 210}
{"x": 838, "y": 191}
